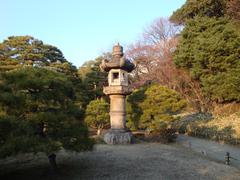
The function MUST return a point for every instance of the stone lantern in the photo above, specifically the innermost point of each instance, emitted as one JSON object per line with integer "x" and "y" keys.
{"x": 118, "y": 68}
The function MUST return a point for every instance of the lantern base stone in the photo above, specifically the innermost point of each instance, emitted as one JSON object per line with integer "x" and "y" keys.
{"x": 118, "y": 136}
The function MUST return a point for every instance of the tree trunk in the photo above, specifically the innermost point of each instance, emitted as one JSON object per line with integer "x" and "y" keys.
{"x": 99, "y": 131}
{"x": 52, "y": 161}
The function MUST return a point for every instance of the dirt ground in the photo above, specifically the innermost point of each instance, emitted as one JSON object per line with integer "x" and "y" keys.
{"x": 138, "y": 161}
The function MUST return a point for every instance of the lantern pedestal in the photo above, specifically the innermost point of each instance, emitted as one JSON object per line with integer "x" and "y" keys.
{"x": 118, "y": 133}
{"x": 118, "y": 136}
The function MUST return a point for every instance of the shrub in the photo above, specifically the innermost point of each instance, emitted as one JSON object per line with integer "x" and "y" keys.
{"x": 159, "y": 107}
{"x": 97, "y": 115}
{"x": 133, "y": 109}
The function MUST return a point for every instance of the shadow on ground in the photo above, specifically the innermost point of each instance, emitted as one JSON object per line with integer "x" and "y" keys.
{"x": 138, "y": 161}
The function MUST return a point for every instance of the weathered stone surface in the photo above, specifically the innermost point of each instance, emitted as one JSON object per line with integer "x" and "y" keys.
{"x": 117, "y": 77}
{"x": 118, "y": 111}
{"x": 118, "y": 61}
{"x": 117, "y": 90}
{"x": 118, "y": 137}
{"x": 109, "y": 90}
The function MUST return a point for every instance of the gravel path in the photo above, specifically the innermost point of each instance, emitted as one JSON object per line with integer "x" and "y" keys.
{"x": 138, "y": 161}
{"x": 211, "y": 149}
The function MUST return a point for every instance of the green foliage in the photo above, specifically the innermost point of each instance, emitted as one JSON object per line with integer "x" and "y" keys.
{"x": 206, "y": 8}
{"x": 224, "y": 86}
{"x": 153, "y": 108}
{"x": 16, "y": 136}
{"x": 134, "y": 112}
{"x": 39, "y": 113}
{"x": 93, "y": 78}
{"x": 158, "y": 107}
{"x": 97, "y": 114}
{"x": 210, "y": 49}
{"x": 87, "y": 68}
{"x": 20, "y": 51}
{"x": 27, "y": 50}
{"x": 202, "y": 8}
{"x": 47, "y": 101}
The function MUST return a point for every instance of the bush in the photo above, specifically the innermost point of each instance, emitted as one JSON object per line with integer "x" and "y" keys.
{"x": 163, "y": 135}
{"x": 97, "y": 115}
{"x": 133, "y": 109}
{"x": 159, "y": 107}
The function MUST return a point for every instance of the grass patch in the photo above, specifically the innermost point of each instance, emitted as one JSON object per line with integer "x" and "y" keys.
{"x": 221, "y": 128}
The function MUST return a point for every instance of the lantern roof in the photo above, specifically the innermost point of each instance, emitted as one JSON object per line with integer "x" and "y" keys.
{"x": 118, "y": 61}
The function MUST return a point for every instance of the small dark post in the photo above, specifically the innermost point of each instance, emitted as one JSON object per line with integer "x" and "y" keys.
{"x": 52, "y": 161}
{"x": 227, "y": 158}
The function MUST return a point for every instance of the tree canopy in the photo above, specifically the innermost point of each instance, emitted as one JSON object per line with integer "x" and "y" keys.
{"x": 41, "y": 100}
{"x": 38, "y": 113}
{"x": 133, "y": 109}
{"x": 210, "y": 49}
{"x": 29, "y": 51}
{"x": 19, "y": 51}
{"x": 209, "y": 46}
{"x": 207, "y": 8}
{"x": 193, "y": 8}
{"x": 93, "y": 78}
{"x": 159, "y": 106}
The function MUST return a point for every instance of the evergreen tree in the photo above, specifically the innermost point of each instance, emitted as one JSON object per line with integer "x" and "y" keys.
{"x": 158, "y": 107}
{"x": 210, "y": 49}
{"x": 133, "y": 109}
{"x": 21, "y": 51}
{"x": 202, "y": 8}
{"x": 97, "y": 115}
{"x": 26, "y": 50}
{"x": 30, "y": 51}
{"x": 209, "y": 46}
{"x": 93, "y": 78}
{"x": 39, "y": 114}
{"x": 207, "y": 8}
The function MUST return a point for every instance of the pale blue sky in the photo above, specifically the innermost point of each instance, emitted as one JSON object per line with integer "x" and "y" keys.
{"x": 82, "y": 29}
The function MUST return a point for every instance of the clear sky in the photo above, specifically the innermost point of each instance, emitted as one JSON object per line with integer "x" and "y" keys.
{"x": 82, "y": 29}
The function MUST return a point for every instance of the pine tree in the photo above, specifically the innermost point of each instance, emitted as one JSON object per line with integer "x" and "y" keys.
{"x": 39, "y": 114}
{"x": 20, "y": 51}
{"x": 133, "y": 109}
{"x": 159, "y": 106}
{"x": 93, "y": 78}
{"x": 201, "y": 8}
{"x": 210, "y": 49}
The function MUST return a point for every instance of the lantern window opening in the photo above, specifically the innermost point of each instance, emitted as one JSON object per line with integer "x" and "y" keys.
{"x": 115, "y": 75}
